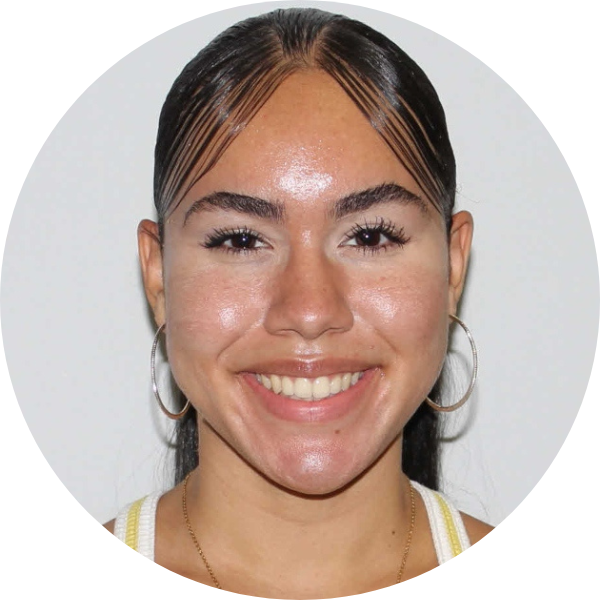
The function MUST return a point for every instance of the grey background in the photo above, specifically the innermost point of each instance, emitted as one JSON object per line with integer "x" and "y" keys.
{"x": 76, "y": 332}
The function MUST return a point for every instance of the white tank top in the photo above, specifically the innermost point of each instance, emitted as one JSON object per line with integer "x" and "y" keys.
{"x": 135, "y": 525}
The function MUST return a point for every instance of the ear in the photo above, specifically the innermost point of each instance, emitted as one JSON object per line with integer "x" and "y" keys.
{"x": 461, "y": 235}
{"x": 150, "y": 252}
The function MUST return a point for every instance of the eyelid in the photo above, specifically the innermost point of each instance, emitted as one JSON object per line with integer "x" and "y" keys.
{"x": 221, "y": 239}
{"x": 386, "y": 227}
{"x": 217, "y": 238}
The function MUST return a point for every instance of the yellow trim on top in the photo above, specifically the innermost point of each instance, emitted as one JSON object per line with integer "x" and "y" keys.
{"x": 133, "y": 524}
{"x": 455, "y": 544}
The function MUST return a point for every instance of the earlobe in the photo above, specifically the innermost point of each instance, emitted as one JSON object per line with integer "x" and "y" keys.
{"x": 151, "y": 263}
{"x": 461, "y": 236}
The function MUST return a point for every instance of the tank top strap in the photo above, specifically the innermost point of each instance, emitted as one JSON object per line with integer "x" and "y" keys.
{"x": 447, "y": 528}
{"x": 135, "y": 525}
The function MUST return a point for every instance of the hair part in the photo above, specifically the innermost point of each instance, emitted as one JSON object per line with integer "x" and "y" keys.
{"x": 227, "y": 83}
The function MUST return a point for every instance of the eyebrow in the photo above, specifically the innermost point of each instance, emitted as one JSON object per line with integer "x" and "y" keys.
{"x": 239, "y": 203}
{"x": 275, "y": 211}
{"x": 381, "y": 194}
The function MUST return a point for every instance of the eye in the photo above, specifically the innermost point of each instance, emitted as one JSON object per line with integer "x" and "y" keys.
{"x": 235, "y": 240}
{"x": 377, "y": 236}
{"x": 368, "y": 237}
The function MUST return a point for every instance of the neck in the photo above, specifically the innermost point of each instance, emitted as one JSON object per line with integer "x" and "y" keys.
{"x": 266, "y": 541}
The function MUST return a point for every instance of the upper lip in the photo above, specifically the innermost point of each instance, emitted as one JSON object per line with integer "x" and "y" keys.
{"x": 308, "y": 368}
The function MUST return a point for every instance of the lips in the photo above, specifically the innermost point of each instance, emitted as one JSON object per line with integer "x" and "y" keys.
{"x": 317, "y": 391}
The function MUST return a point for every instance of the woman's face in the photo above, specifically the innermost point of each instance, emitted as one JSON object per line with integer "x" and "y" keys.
{"x": 307, "y": 286}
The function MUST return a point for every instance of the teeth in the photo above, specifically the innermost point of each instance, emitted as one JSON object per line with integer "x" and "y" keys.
{"x": 346, "y": 378}
{"x": 276, "y": 383}
{"x": 287, "y": 386}
{"x": 266, "y": 382}
{"x": 302, "y": 388}
{"x": 321, "y": 387}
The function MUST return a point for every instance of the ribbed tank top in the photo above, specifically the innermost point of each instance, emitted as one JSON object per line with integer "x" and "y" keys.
{"x": 135, "y": 525}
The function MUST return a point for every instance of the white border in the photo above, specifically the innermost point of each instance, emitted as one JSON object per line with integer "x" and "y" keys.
{"x": 53, "y": 51}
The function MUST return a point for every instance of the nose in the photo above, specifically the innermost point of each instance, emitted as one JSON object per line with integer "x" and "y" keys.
{"x": 310, "y": 298}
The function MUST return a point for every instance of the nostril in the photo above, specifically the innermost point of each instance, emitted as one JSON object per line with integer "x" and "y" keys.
{"x": 310, "y": 300}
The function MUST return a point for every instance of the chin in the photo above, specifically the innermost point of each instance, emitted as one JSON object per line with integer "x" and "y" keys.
{"x": 317, "y": 470}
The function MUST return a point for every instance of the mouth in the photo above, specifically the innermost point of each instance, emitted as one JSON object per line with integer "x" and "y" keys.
{"x": 307, "y": 389}
{"x": 332, "y": 395}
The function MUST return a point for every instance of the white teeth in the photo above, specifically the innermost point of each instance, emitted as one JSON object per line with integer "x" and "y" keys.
{"x": 335, "y": 387}
{"x": 302, "y": 388}
{"x": 321, "y": 387}
{"x": 287, "y": 386}
{"x": 346, "y": 378}
{"x": 265, "y": 381}
{"x": 276, "y": 383}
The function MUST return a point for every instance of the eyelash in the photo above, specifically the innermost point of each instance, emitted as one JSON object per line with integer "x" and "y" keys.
{"x": 216, "y": 240}
{"x": 395, "y": 235}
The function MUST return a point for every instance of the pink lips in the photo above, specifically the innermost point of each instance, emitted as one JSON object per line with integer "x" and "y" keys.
{"x": 322, "y": 411}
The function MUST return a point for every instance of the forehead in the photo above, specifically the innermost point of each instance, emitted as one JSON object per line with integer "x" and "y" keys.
{"x": 308, "y": 140}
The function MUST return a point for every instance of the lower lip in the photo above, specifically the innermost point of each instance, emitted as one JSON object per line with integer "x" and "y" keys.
{"x": 321, "y": 411}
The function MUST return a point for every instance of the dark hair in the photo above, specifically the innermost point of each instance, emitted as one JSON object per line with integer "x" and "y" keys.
{"x": 226, "y": 84}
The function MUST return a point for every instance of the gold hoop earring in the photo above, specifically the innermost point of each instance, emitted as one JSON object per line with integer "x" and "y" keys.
{"x": 167, "y": 412}
{"x": 473, "y": 376}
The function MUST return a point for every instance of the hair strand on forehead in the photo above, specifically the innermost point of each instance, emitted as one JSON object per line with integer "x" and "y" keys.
{"x": 226, "y": 84}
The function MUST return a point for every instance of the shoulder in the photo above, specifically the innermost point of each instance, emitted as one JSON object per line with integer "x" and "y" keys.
{"x": 110, "y": 526}
{"x": 476, "y": 529}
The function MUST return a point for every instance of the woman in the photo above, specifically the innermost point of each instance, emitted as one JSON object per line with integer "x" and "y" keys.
{"x": 305, "y": 269}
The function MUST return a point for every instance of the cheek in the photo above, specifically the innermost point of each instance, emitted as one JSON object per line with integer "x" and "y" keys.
{"x": 408, "y": 309}
{"x": 207, "y": 312}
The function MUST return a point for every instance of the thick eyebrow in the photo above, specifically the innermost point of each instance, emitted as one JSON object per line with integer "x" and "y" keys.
{"x": 352, "y": 203}
{"x": 239, "y": 203}
{"x": 381, "y": 194}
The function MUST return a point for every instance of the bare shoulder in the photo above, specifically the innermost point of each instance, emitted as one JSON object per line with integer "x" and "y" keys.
{"x": 476, "y": 529}
{"x": 110, "y": 526}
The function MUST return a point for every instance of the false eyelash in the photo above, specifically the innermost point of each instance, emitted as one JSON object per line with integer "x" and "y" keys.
{"x": 218, "y": 237}
{"x": 395, "y": 234}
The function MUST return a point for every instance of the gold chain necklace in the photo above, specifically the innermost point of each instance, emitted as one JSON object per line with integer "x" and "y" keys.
{"x": 409, "y": 535}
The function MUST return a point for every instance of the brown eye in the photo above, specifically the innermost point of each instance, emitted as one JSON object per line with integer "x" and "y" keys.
{"x": 243, "y": 241}
{"x": 235, "y": 240}
{"x": 368, "y": 237}
{"x": 380, "y": 235}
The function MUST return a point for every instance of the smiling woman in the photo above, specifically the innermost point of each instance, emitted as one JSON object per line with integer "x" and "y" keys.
{"x": 305, "y": 268}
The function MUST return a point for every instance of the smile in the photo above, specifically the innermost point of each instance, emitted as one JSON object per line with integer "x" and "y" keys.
{"x": 309, "y": 390}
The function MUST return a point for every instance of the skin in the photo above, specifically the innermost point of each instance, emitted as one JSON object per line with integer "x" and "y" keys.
{"x": 306, "y": 292}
